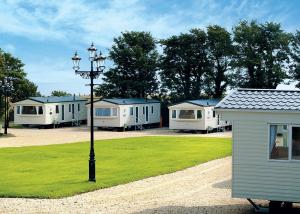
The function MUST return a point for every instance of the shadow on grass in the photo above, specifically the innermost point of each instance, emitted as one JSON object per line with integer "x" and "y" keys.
{"x": 222, "y": 209}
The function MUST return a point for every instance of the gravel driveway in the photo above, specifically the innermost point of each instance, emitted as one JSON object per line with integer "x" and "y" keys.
{"x": 201, "y": 189}
{"x": 34, "y": 136}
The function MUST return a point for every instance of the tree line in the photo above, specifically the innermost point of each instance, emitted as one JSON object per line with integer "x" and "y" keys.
{"x": 202, "y": 63}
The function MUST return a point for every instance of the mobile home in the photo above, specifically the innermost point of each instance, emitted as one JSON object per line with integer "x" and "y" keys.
{"x": 195, "y": 115}
{"x": 266, "y": 144}
{"x": 50, "y": 110}
{"x": 134, "y": 112}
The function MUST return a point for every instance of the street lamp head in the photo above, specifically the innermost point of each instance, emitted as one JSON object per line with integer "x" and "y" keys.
{"x": 76, "y": 60}
{"x": 100, "y": 61}
{"x": 92, "y": 52}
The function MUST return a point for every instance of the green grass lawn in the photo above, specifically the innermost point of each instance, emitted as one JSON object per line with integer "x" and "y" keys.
{"x": 62, "y": 170}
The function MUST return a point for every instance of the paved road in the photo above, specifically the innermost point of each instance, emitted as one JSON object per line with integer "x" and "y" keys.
{"x": 32, "y": 137}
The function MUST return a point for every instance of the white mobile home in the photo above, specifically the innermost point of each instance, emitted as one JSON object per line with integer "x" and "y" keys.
{"x": 49, "y": 110}
{"x": 133, "y": 112}
{"x": 195, "y": 115}
{"x": 266, "y": 144}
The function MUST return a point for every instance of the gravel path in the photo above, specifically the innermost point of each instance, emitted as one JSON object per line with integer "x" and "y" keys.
{"x": 201, "y": 189}
{"x": 34, "y": 136}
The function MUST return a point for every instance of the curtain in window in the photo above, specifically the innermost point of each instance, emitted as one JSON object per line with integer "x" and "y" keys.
{"x": 186, "y": 114}
{"x": 273, "y": 134}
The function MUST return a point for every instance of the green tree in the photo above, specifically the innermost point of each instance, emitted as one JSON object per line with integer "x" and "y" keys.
{"x": 262, "y": 54}
{"x": 220, "y": 53}
{"x": 58, "y": 93}
{"x": 135, "y": 61}
{"x": 11, "y": 66}
{"x": 183, "y": 63}
{"x": 295, "y": 67}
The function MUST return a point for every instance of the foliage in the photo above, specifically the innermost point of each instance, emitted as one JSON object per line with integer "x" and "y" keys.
{"x": 295, "y": 67}
{"x": 135, "y": 59}
{"x": 183, "y": 63}
{"x": 262, "y": 54}
{"x": 220, "y": 53}
{"x": 58, "y": 93}
{"x": 11, "y": 66}
{"x": 61, "y": 170}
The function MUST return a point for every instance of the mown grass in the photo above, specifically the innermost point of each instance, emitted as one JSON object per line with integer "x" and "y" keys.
{"x": 56, "y": 171}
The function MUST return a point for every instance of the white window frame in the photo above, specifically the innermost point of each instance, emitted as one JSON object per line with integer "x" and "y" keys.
{"x": 111, "y": 112}
{"x": 289, "y": 139}
{"x": 31, "y": 115}
{"x": 195, "y": 113}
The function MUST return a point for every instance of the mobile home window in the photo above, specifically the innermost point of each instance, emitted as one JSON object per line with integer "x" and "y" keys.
{"x": 40, "y": 109}
{"x": 78, "y": 106}
{"x": 69, "y": 107}
{"x": 151, "y": 109}
{"x": 102, "y": 112}
{"x": 56, "y": 109}
{"x": 29, "y": 110}
{"x": 296, "y": 142}
{"x": 173, "y": 114}
{"x": 114, "y": 112}
{"x": 199, "y": 114}
{"x": 143, "y": 109}
{"x": 186, "y": 114}
{"x": 214, "y": 114}
{"x": 131, "y": 110}
{"x": 18, "y": 109}
{"x": 278, "y": 142}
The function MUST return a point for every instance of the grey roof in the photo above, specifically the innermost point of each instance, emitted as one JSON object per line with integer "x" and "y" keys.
{"x": 130, "y": 101}
{"x": 56, "y": 99}
{"x": 262, "y": 99}
{"x": 201, "y": 102}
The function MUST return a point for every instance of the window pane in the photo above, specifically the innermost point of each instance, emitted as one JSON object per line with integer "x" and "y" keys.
{"x": 18, "y": 109}
{"x": 78, "y": 107}
{"x": 278, "y": 142}
{"x": 56, "y": 109}
{"x": 214, "y": 114}
{"x": 40, "y": 110}
{"x": 102, "y": 112}
{"x": 131, "y": 110}
{"x": 114, "y": 112}
{"x": 28, "y": 110}
{"x": 186, "y": 114}
{"x": 199, "y": 114}
{"x": 173, "y": 113}
{"x": 296, "y": 143}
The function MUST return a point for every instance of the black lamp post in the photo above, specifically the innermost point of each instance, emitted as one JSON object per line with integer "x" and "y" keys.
{"x": 92, "y": 74}
{"x": 6, "y": 86}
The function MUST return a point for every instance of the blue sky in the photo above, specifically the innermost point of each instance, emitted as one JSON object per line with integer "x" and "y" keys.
{"x": 45, "y": 34}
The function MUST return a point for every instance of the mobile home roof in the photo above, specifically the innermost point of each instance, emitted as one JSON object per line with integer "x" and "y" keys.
{"x": 56, "y": 99}
{"x": 261, "y": 100}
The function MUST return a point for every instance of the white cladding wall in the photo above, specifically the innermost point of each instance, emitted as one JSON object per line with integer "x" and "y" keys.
{"x": 49, "y": 115}
{"x": 198, "y": 124}
{"x": 123, "y": 115}
{"x": 254, "y": 175}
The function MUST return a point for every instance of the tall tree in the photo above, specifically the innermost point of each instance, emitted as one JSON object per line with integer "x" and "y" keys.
{"x": 183, "y": 63}
{"x": 11, "y": 66}
{"x": 59, "y": 93}
{"x": 295, "y": 67}
{"x": 220, "y": 52}
{"x": 135, "y": 61}
{"x": 262, "y": 54}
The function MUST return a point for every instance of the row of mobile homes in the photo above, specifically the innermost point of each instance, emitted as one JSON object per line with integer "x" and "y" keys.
{"x": 195, "y": 115}
{"x": 125, "y": 113}
{"x": 266, "y": 144}
{"x": 50, "y": 110}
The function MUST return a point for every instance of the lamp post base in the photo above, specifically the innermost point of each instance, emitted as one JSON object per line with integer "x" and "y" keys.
{"x": 92, "y": 174}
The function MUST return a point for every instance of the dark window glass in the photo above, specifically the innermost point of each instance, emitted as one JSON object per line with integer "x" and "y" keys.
{"x": 18, "y": 109}
{"x": 78, "y": 106}
{"x": 56, "y": 109}
{"x": 214, "y": 114}
{"x": 173, "y": 114}
{"x": 296, "y": 143}
{"x": 40, "y": 109}
{"x": 131, "y": 110}
{"x": 69, "y": 107}
{"x": 199, "y": 114}
{"x": 29, "y": 110}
